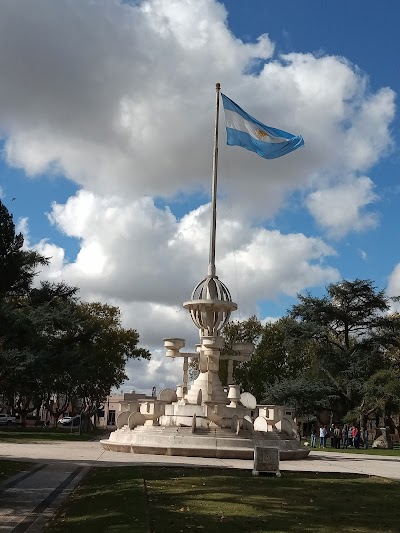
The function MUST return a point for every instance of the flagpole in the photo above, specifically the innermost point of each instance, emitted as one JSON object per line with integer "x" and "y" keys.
{"x": 213, "y": 228}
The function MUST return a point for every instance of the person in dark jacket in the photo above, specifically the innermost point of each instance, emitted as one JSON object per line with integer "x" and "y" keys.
{"x": 313, "y": 437}
{"x": 345, "y": 436}
{"x": 356, "y": 437}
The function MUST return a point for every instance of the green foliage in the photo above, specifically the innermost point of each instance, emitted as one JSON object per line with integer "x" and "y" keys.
{"x": 382, "y": 393}
{"x": 353, "y": 330}
{"x": 38, "y": 341}
{"x": 276, "y": 355}
{"x": 338, "y": 353}
{"x": 17, "y": 266}
{"x": 104, "y": 349}
{"x": 238, "y": 331}
{"x": 307, "y": 396}
{"x": 55, "y": 349}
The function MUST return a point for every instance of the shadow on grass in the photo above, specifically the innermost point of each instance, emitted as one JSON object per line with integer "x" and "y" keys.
{"x": 179, "y": 499}
{"x": 10, "y": 468}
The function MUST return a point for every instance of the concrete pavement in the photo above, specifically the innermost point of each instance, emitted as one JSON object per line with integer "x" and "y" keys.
{"x": 30, "y": 498}
{"x": 91, "y": 453}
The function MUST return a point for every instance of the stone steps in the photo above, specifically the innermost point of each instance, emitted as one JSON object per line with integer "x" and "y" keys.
{"x": 219, "y": 433}
{"x": 203, "y": 442}
{"x": 184, "y": 450}
{"x": 184, "y": 430}
{"x": 214, "y": 434}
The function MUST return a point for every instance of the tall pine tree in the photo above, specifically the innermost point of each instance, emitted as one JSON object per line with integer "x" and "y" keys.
{"x": 17, "y": 266}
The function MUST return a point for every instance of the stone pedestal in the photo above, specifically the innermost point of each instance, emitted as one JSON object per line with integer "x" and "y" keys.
{"x": 266, "y": 461}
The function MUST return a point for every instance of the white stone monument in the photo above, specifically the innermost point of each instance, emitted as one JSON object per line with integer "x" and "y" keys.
{"x": 203, "y": 419}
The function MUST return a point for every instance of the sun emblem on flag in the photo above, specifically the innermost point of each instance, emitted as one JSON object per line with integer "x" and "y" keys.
{"x": 261, "y": 134}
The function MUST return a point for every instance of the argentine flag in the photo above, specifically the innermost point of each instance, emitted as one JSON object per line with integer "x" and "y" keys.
{"x": 244, "y": 130}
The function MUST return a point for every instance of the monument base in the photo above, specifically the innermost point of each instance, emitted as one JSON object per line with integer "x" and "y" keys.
{"x": 221, "y": 443}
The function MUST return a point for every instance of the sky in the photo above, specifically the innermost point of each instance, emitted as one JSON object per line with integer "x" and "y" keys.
{"x": 106, "y": 130}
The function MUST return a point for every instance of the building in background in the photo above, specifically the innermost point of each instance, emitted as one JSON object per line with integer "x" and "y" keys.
{"x": 115, "y": 404}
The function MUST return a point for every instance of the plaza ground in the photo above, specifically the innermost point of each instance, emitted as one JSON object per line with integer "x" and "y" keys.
{"x": 229, "y": 491}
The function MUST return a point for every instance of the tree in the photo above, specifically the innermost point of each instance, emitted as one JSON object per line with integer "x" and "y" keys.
{"x": 381, "y": 396}
{"x": 54, "y": 349}
{"x": 308, "y": 396}
{"x": 276, "y": 355}
{"x": 38, "y": 347}
{"x": 58, "y": 351}
{"x": 104, "y": 349}
{"x": 17, "y": 266}
{"x": 238, "y": 331}
{"x": 353, "y": 330}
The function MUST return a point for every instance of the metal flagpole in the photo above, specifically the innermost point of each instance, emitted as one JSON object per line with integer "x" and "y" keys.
{"x": 213, "y": 228}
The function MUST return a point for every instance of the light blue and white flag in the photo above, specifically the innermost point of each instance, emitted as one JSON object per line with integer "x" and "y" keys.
{"x": 244, "y": 130}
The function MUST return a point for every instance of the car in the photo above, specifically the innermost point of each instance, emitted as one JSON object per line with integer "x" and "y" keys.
{"x": 65, "y": 420}
{"x": 6, "y": 420}
{"x": 68, "y": 420}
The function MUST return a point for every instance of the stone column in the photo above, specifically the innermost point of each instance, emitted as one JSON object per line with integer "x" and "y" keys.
{"x": 185, "y": 374}
{"x": 230, "y": 372}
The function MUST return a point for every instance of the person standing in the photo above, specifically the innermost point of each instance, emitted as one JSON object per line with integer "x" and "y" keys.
{"x": 313, "y": 437}
{"x": 332, "y": 435}
{"x": 338, "y": 437}
{"x": 356, "y": 437}
{"x": 322, "y": 436}
{"x": 350, "y": 436}
{"x": 365, "y": 437}
{"x": 345, "y": 435}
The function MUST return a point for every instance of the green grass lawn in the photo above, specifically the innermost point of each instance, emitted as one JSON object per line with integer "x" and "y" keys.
{"x": 10, "y": 468}
{"x": 163, "y": 500}
{"x": 15, "y": 434}
{"x": 368, "y": 451}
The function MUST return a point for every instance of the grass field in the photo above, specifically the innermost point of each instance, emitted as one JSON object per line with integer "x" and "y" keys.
{"x": 10, "y": 468}
{"x": 14, "y": 434}
{"x": 163, "y": 500}
{"x": 368, "y": 451}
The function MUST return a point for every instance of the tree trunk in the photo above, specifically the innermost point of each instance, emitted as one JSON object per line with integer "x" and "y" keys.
{"x": 37, "y": 417}
{"x": 22, "y": 418}
{"x": 390, "y": 423}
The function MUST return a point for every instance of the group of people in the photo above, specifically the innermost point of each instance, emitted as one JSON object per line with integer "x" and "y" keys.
{"x": 348, "y": 436}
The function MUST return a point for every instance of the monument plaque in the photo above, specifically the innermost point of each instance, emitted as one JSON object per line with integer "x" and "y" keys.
{"x": 266, "y": 461}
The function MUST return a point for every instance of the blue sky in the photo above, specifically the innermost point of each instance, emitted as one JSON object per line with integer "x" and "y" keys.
{"x": 367, "y": 36}
{"x": 106, "y": 124}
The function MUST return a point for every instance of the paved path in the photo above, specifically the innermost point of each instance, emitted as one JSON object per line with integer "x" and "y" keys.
{"x": 30, "y": 498}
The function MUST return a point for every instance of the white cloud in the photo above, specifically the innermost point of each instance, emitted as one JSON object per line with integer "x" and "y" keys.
{"x": 341, "y": 208}
{"x": 363, "y": 255}
{"x": 147, "y": 262}
{"x": 270, "y": 320}
{"x": 272, "y": 263}
{"x": 22, "y": 226}
{"x": 393, "y": 288}
{"x": 119, "y": 98}
{"x": 54, "y": 253}
{"x": 137, "y": 252}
